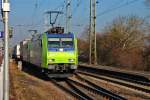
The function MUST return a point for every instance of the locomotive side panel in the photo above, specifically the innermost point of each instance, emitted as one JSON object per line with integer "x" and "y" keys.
{"x": 44, "y": 51}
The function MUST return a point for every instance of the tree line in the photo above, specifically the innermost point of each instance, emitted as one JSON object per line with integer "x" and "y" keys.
{"x": 124, "y": 43}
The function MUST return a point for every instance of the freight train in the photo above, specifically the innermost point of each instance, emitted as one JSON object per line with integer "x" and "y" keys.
{"x": 54, "y": 52}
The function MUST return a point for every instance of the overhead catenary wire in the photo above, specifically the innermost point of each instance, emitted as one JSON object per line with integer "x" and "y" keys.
{"x": 61, "y": 10}
{"x": 75, "y": 9}
{"x": 39, "y": 23}
{"x": 77, "y": 6}
{"x": 79, "y": 2}
{"x": 60, "y": 6}
{"x": 34, "y": 11}
{"x": 117, "y": 7}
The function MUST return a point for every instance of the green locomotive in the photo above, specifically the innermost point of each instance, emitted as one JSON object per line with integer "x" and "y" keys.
{"x": 54, "y": 52}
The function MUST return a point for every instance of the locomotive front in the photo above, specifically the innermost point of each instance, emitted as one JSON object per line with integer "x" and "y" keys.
{"x": 61, "y": 53}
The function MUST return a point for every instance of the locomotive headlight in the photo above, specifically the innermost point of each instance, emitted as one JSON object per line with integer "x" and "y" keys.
{"x": 51, "y": 60}
{"x": 71, "y": 60}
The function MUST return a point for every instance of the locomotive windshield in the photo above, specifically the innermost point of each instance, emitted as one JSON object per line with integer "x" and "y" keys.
{"x": 67, "y": 42}
{"x": 53, "y": 42}
{"x": 60, "y": 43}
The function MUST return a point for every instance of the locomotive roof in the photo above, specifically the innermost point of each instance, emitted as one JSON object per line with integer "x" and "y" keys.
{"x": 69, "y": 35}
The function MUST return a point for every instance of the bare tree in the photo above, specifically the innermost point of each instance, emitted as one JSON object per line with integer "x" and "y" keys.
{"x": 123, "y": 42}
{"x": 126, "y": 32}
{"x": 146, "y": 53}
{"x": 85, "y": 33}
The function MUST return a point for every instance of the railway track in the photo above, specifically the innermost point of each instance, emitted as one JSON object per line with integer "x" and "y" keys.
{"x": 69, "y": 90}
{"x": 116, "y": 74}
{"x": 77, "y": 88}
{"x": 86, "y": 90}
{"x": 144, "y": 89}
{"x": 111, "y": 94}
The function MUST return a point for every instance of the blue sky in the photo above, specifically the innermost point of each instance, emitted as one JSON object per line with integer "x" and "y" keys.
{"x": 30, "y": 14}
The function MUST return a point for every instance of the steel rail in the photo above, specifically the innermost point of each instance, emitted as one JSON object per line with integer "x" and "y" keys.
{"x": 74, "y": 93}
{"x": 79, "y": 91}
{"x": 117, "y": 81}
{"x": 115, "y": 74}
{"x": 112, "y": 95}
{"x": 99, "y": 91}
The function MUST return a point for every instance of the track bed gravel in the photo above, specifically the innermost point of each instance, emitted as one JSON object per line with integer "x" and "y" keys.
{"x": 130, "y": 95}
{"x": 26, "y": 87}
